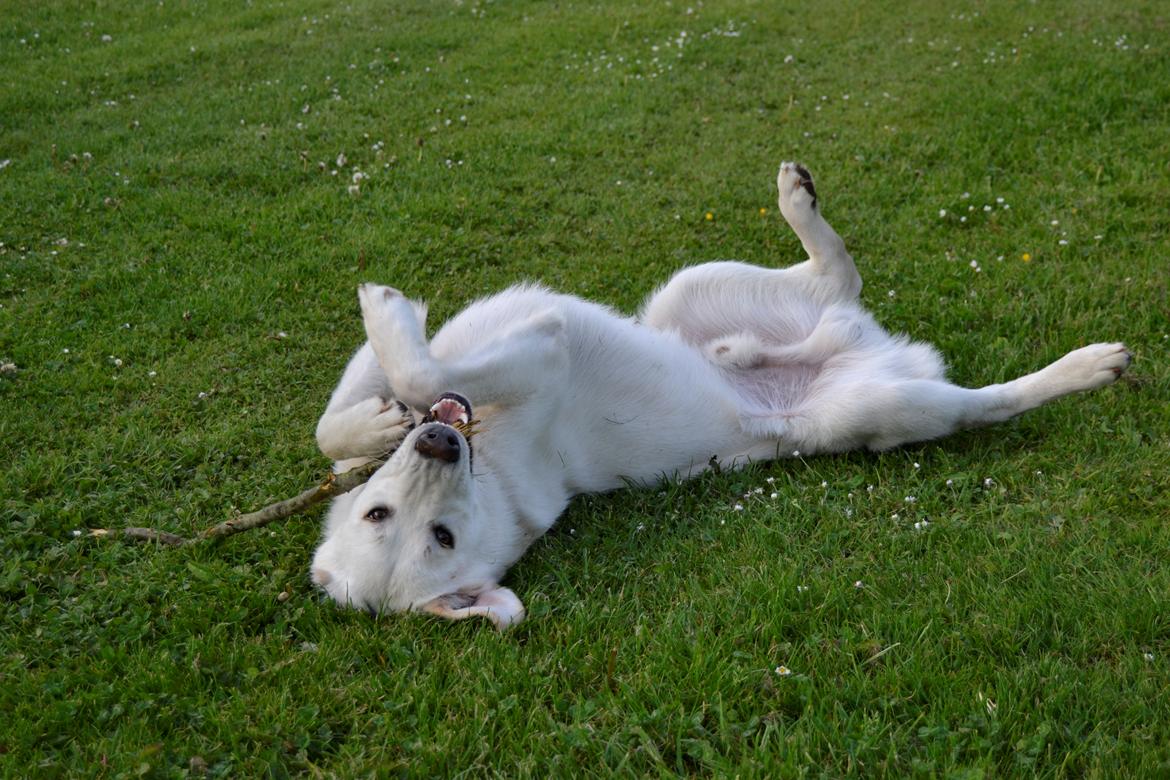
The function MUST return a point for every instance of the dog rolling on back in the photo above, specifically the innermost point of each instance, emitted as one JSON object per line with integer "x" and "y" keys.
{"x": 727, "y": 364}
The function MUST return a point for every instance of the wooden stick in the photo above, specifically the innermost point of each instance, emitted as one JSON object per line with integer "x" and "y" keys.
{"x": 334, "y": 485}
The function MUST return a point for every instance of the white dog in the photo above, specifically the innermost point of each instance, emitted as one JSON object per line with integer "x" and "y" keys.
{"x": 727, "y": 364}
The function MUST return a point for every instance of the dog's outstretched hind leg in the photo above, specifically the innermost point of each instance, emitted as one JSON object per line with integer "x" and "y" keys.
{"x": 830, "y": 267}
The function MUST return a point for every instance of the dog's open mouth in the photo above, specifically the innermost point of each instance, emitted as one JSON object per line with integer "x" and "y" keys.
{"x": 452, "y": 409}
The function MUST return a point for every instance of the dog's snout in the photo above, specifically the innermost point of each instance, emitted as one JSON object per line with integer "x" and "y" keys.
{"x": 438, "y": 441}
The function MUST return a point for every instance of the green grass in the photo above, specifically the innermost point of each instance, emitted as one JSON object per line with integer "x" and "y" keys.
{"x": 177, "y": 283}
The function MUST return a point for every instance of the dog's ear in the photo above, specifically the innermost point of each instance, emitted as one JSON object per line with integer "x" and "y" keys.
{"x": 497, "y": 604}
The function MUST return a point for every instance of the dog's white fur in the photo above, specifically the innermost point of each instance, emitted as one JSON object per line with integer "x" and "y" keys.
{"x": 727, "y": 364}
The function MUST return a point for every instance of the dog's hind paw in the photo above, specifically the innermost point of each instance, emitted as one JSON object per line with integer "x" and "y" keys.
{"x": 1091, "y": 367}
{"x": 798, "y": 195}
{"x": 741, "y": 351}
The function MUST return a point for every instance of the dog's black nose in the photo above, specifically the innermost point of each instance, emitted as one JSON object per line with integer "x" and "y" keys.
{"x": 438, "y": 441}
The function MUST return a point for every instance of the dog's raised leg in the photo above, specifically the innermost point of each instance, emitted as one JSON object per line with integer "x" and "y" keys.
{"x": 507, "y": 368}
{"x": 831, "y": 271}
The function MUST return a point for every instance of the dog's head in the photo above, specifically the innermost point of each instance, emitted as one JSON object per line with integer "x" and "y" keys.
{"x": 412, "y": 539}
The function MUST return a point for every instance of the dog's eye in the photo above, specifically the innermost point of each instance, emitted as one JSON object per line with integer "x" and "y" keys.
{"x": 379, "y": 513}
{"x": 444, "y": 537}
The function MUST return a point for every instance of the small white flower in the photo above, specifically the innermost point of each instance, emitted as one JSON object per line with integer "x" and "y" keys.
{"x": 775, "y": 495}
{"x": 950, "y": 482}
{"x": 152, "y": 374}
{"x": 796, "y": 453}
{"x": 988, "y": 482}
{"x": 801, "y": 588}
{"x": 77, "y": 532}
{"x": 202, "y": 395}
{"x": 737, "y": 508}
{"x": 911, "y": 500}
{"x": 917, "y": 465}
{"x": 1054, "y": 222}
{"x": 770, "y": 480}
{"x": 965, "y": 195}
{"x": 890, "y": 294}
{"x": 783, "y": 671}
{"x": 859, "y": 584}
{"x": 1148, "y": 656}
{"x": 987, "y": 208}
{"x": 758, "y": 490}
{"x": 824, "y": 484}
{"x": 894, "y": 516}
{"x": 342, "y": 160}
{"x": 942, "y": 213}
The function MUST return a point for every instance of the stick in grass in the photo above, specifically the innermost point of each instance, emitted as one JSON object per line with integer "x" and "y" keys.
{"x": 334, "y": 485}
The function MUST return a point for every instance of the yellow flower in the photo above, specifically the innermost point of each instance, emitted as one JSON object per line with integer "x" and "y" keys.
{"x": 763, "y": 211}
{"x": 1027, "y": 258}
{"x": 709, "y": 216}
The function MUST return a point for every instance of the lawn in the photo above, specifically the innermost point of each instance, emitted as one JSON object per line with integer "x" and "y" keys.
{"x": 191, "y": 191}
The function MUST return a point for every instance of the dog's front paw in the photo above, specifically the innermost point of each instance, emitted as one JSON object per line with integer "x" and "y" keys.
{"x": 394, "y": 324}
{"x": 381, "y": 302}
{"x": 388, "y": 428}
{"x": 1093, "y": 366}
{"x": 798, "y": 195}
{"x": 369, "y": 429}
